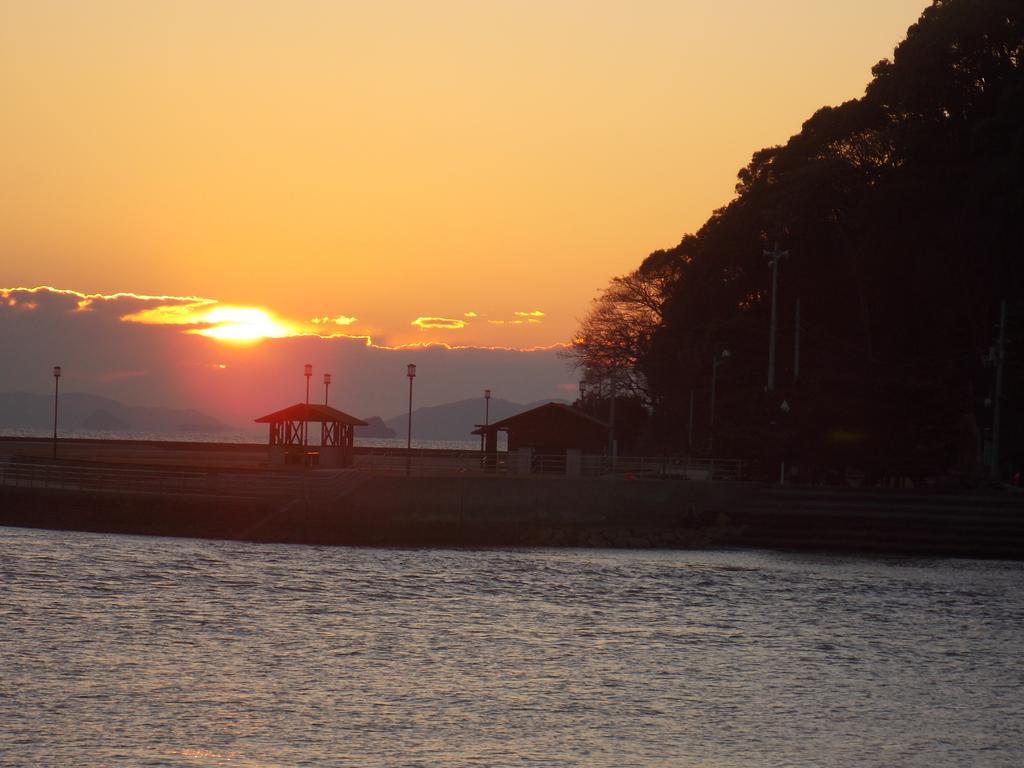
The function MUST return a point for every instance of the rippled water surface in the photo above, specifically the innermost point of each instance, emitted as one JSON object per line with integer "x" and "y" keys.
{"x": 169, "y": 652}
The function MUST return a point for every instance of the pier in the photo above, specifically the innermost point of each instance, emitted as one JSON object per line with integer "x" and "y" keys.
{"x": 450, "y": 499}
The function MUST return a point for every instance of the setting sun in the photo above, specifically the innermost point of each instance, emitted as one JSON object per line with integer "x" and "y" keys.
{"x": 222, "y": 322}
{"x": 241, "y": 324}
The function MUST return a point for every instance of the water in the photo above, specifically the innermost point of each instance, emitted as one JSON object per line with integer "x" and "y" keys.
{"x": 174, "y": 652}
{"x": 222, "y": 436}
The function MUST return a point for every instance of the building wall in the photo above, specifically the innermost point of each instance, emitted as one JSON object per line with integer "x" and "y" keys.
{"x": 555, "y": 431}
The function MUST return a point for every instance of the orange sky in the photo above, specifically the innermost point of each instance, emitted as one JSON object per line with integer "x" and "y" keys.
{"x": 391, "y": 161}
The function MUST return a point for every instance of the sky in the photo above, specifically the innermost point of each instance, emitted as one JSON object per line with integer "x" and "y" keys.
{"x": 143, "y": 364}
{"x": 404, "y": 173}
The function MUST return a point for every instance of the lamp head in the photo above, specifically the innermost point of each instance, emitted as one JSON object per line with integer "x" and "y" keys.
{"x": 487, "y": 394}
{"x": 327, "y": 378}
{"x": 411, "y": 370}
{"x": 307, "y": 370}
{"x": 56, "y": 371}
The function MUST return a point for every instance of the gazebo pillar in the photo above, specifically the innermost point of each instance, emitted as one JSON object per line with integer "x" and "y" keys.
{"x": 333, "y": 451}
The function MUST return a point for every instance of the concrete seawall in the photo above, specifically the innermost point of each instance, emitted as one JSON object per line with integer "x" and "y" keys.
{"x": 531, "y": 511}
{"x": 543, "y": 512}
{"x": 964, "y": 524}
{"x": 406, "y": 511}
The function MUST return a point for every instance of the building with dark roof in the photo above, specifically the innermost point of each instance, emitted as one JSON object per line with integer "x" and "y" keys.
{"x": 551, "y": 430}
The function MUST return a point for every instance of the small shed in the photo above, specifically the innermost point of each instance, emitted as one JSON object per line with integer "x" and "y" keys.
{"x": 289, "y": 435}
{"x": 553, "y": 429}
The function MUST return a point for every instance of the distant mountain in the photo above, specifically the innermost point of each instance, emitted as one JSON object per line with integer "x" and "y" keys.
{"x": 375, "y": 427}
{"x": 455, "y": 421}
{"x": 80, "y": 411}
{"x": 103, "y": 420}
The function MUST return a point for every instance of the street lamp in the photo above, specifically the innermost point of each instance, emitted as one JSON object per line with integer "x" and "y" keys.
{"x": 583, "y": 390}
{"x": 307, "y": 371}
{"x": 487, "y": 419}
{"x": 720, "y": 358}
{"x": 327, "y": 384}
{"x": 56, "y": 392}
{"x": 410, "y": 371}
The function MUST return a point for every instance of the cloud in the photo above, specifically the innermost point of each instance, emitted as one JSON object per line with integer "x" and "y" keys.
{"x": 189, "y": 313}
{"x": 226, "y": 323}
{"x": 521, "y": 318}
{"x": 51, "y": 291}
{"x": 202, "y": 316}
{"x": 339, "y": 320}
{"x": 470, "y": 314}
{"x": 159, "y": 364}
{"x": 445, "y": 323}
{"x": 119, "y": 375}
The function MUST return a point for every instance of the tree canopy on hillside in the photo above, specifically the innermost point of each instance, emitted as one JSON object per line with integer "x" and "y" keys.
{"x": 903, "y": 216}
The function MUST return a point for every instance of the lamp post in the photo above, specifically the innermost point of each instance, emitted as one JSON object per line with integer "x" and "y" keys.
{"x": 410, "y": 371}
{"x": 307, "y": 371}
{"x": 689, "y": 434}
{"x": 56, "y": 392}
{"x": 583, "y": 391}
{"x": 327, "y": 384}
{"x": 487, "y": 419}
{"x": 720, "y": 358}
{"x": 1000, "y": 360}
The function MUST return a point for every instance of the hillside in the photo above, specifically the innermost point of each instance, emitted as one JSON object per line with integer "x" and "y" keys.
{"x": 897, "y": 219}
{"x": 81, "y": 411}
{"x": 455, "y": 421}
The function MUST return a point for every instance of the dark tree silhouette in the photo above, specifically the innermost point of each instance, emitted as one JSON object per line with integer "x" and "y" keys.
{"x": 616, "y": 332}
{"x": 903, "y": 214}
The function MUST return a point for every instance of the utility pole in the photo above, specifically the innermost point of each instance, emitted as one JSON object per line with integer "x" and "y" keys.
{"x": 775, "y": 255}
{"x": 997, "y": 406}
{"x": 716, "y": 361}
{"x": 307, "y": 371}
{"x": 56, "y": 392}
{"x": 796, "y": 342}
{"x": 689, "y": 439}
{"x": 487, "y": 415}
{"x": 611, "y": 425}
{"x": 410, "y": 371}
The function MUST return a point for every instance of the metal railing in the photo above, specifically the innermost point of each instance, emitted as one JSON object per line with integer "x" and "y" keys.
{"x": 325, "y": 485}
{"x": 429, "y": 462}
{"x": 434, "y": 463}
{"x": 109, "y": 479}
{"x": 682, "y": 468}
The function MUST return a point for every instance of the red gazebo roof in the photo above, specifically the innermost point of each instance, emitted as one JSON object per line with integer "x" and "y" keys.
{"x": 311, "y": 412}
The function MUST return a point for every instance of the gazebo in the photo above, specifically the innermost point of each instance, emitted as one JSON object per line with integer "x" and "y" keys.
{"x": 289, "y": 435}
